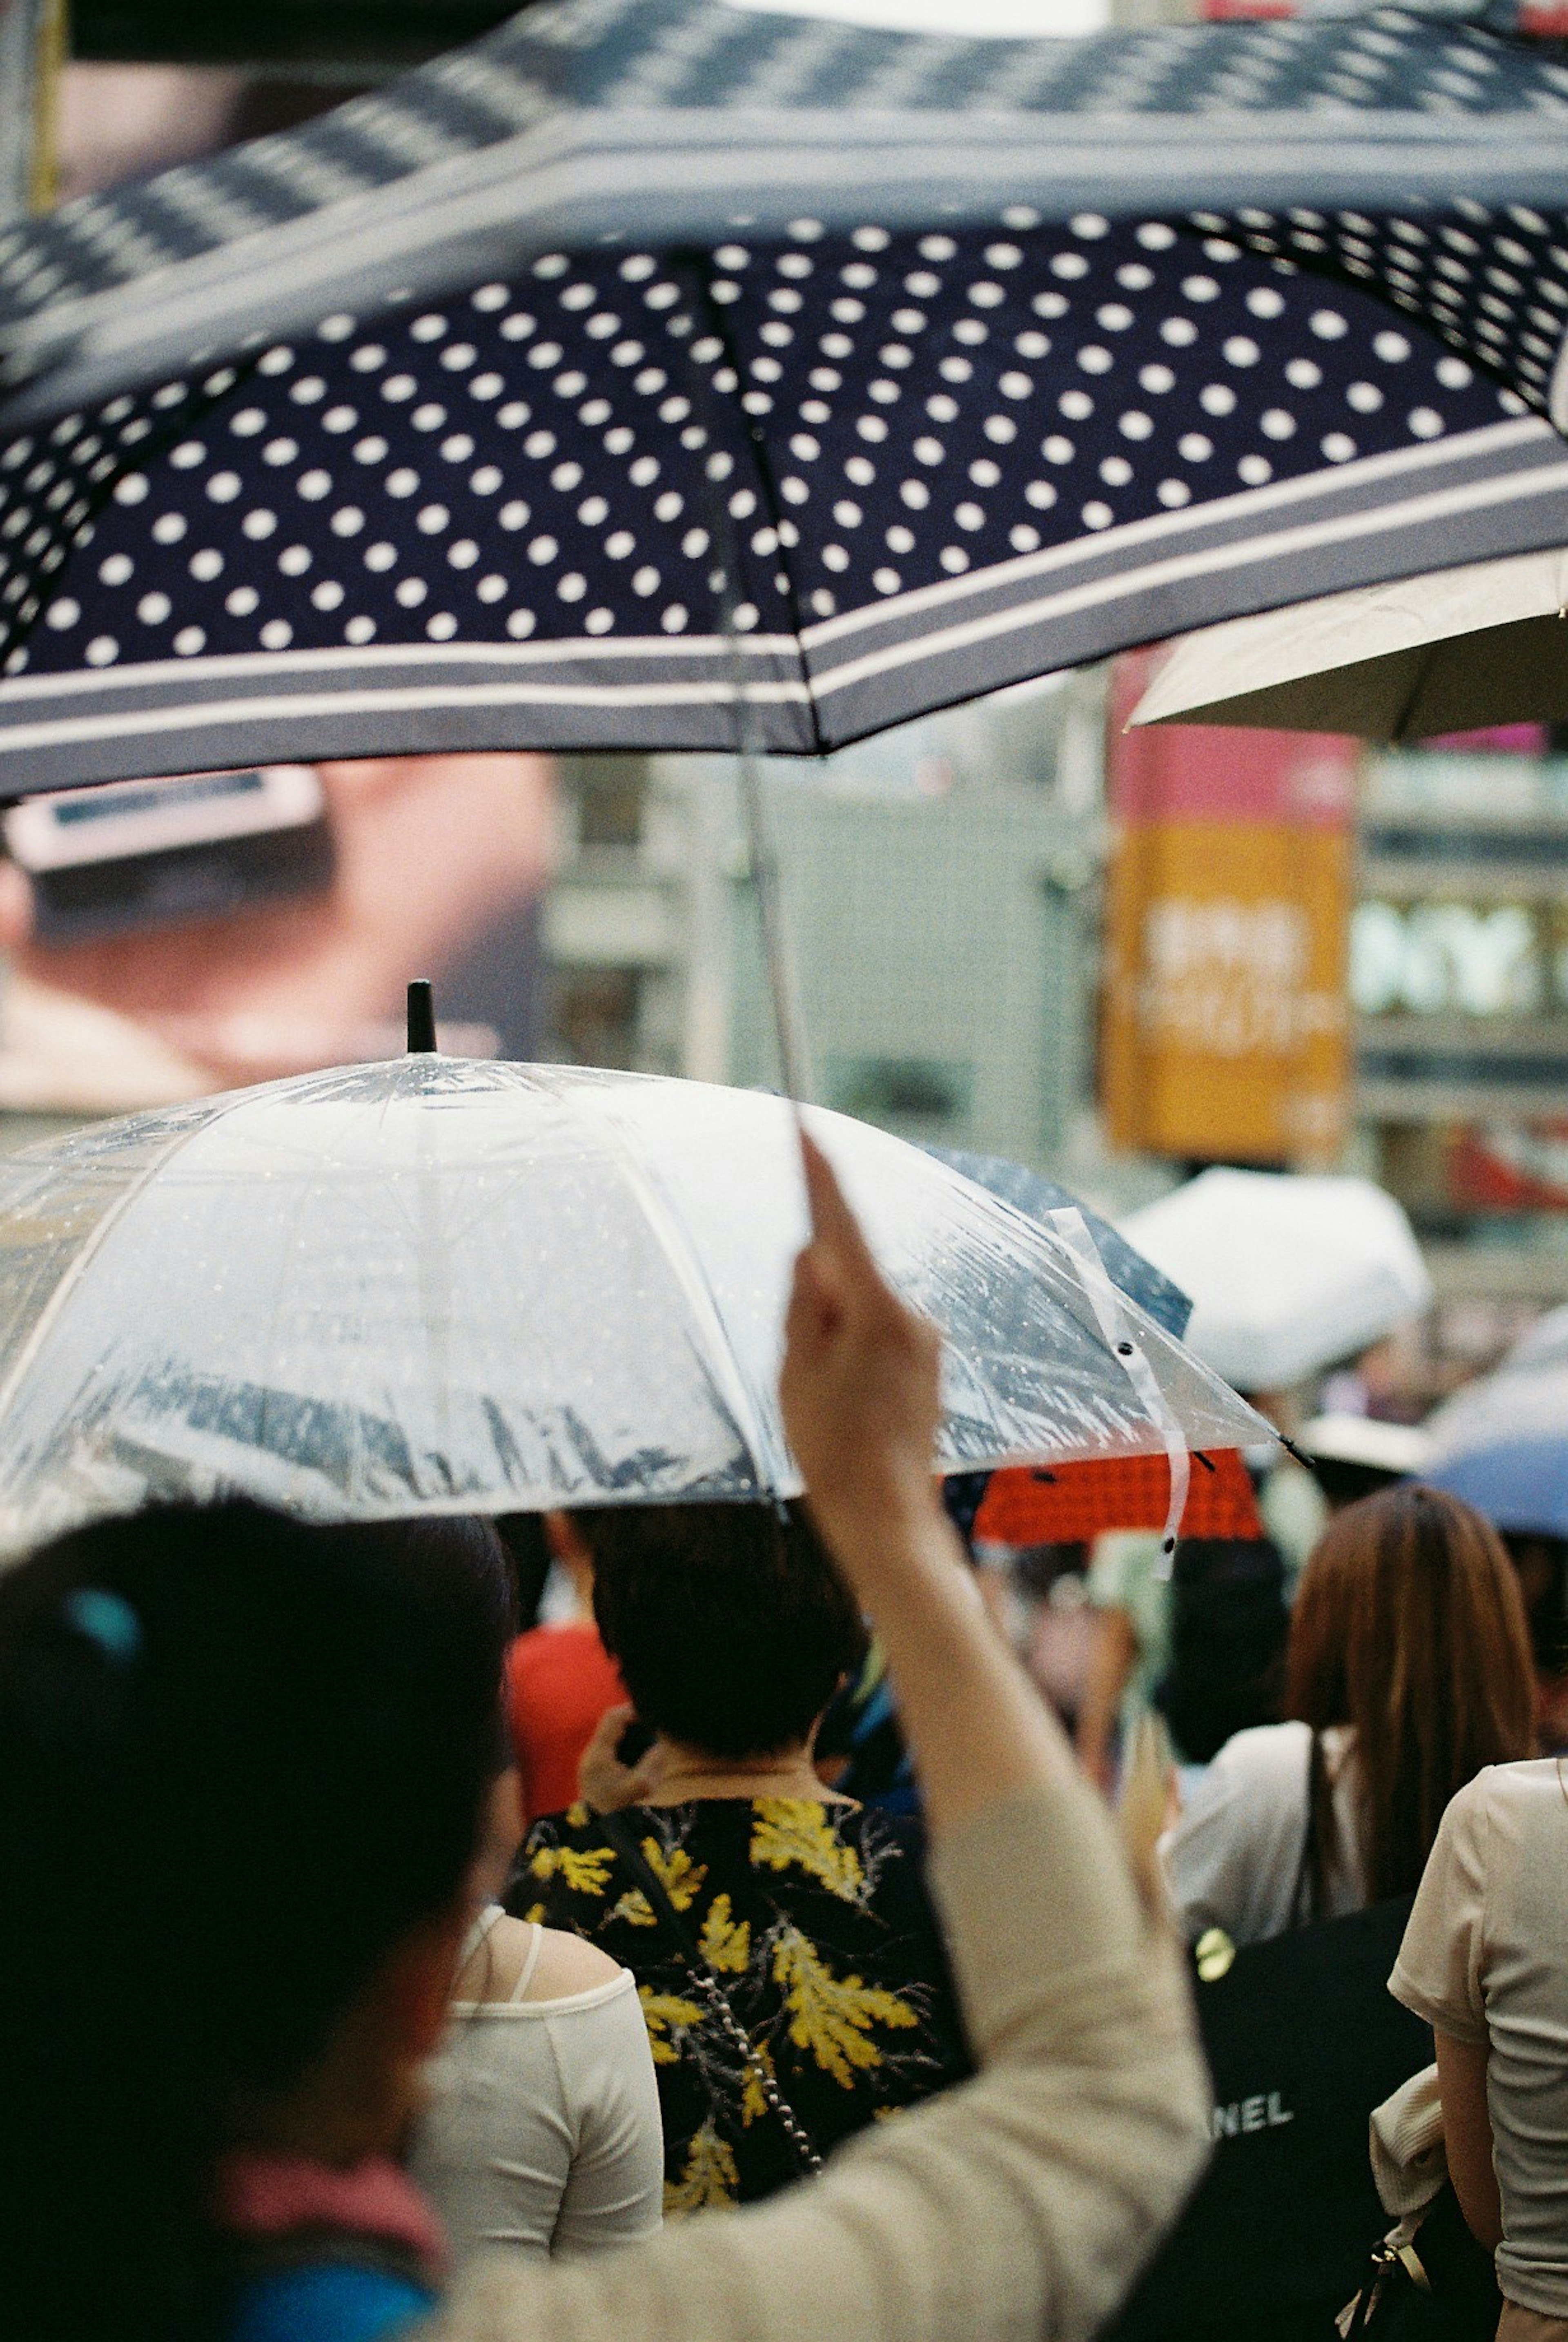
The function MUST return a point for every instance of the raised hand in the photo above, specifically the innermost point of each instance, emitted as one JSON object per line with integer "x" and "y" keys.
{"x": 860, "y": 1382}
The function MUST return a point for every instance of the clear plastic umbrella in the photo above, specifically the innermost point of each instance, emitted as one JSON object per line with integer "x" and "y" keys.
{"x": 440, "y": 1284}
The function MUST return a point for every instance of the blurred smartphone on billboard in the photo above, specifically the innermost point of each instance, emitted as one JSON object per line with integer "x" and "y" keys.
{"x": 154, "y": 853}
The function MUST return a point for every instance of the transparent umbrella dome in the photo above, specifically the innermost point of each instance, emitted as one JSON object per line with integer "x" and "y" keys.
{"x": 443, "y": 1285}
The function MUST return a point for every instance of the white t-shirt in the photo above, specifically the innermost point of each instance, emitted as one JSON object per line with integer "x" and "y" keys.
{"x": 1485, "y": 1959}
{"x": 1234, "y": 1858}
{"x": 543, "y": 2129}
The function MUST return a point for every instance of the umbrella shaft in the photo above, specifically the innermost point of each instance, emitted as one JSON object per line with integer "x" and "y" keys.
{"x": 784, "y": 992}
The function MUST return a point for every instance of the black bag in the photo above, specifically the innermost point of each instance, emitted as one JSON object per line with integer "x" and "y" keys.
{"x": 1303, "y": 2039}
{"x": 1429, "y": 2281}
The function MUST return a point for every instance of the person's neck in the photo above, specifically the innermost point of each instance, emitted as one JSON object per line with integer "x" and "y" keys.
{"x": 684, "y": 1773}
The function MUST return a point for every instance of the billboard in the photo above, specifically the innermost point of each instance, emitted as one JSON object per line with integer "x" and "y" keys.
{"x": 1225, "y": 1030}
{"x": 169, "y": 939}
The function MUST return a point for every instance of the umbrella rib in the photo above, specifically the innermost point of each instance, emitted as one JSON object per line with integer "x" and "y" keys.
{"x": 719, "y": 323}
{"x": 1423, "y": 669}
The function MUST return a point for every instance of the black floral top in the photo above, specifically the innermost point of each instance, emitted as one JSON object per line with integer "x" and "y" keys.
{"x": 814, "y": 1919}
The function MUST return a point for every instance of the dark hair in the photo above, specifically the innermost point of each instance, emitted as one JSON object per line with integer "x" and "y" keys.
{"x": 527, "y": 1550}
{"x": 239, "y": 1760}
{"x": 1228, "y": 1629}
{"x": 1408, "y": 1626}
{"x": 729, "y": 1624}
{"x": 1541, "y": 1564}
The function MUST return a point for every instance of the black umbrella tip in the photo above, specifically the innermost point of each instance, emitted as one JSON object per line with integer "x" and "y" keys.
{"x": 421, "y": 1017}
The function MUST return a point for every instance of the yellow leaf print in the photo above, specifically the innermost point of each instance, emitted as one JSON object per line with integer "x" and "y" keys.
{"x": 636, "y": 1910}
{"x": 795, "y": 1830}
{"x": 676, "y": 1873}
{"x": 667, "y": 2018}
{"x": 535, "y": 1915}
{"x": 833, "y": 2016}
{"x": 726, "y": 1944}
{"x": 584, "y": 1869}
{"x": 709, "y": 2180}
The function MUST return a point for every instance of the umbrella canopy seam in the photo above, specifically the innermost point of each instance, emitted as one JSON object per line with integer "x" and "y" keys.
{"x": 602, "y": 71}
{"x": 108, "y": 331}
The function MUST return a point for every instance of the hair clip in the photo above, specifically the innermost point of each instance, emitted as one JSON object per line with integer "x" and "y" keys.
{"x": 106, "y": 1619}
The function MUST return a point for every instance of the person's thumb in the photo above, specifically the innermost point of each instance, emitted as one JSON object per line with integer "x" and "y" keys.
{"x": 815, "y": 1303}
{"x": 835, "y": 1232}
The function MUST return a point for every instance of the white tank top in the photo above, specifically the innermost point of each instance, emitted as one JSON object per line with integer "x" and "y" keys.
{"x": 542, "y": 2132}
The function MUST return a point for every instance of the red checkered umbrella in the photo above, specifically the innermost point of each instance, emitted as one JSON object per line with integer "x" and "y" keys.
{"x": 1072, "y": 1503}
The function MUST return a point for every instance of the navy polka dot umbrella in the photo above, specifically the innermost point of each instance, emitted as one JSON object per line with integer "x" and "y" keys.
{"x": 747, "y": 382}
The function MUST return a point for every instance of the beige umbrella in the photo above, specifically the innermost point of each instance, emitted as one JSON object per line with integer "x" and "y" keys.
{"x": 1447, "y": 653}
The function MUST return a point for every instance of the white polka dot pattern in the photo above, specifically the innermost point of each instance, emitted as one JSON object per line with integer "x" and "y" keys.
{"x": 778, "y": 462}
{"x": 841, "y": 420}
{"x": 1490, "y": 279}
{"x": 596, "y": 59}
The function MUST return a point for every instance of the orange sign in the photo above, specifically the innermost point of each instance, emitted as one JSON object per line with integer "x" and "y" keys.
{"x": 1226, "y": 1031}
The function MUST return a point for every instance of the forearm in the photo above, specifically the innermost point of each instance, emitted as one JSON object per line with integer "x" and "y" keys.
{"x": 1467, "y": 2136}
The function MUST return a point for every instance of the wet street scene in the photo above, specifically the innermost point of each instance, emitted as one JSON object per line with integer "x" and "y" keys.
{"x": 784, "y": 1171}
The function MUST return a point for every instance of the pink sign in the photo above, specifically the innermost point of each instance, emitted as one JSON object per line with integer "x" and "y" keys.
{"x": 1212, "y": 772}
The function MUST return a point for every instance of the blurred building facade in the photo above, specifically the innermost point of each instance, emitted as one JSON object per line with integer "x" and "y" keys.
{"x": 950, "y": 890}
{"x": 941, "y": 891}
{"x": 1459, "y": 984}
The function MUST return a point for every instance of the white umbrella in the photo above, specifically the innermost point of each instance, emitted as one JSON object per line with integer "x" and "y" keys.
{"x": 1400, "y": 1450}
{"x": 441, "y": 1283}
{"x": 1516, "y": 1403}
{"x": 1501, "y": 1443}
{"x": 1287, "y": 1274}
{"x": 1542, "y": 1345}
{"x": 1448, "y": 653}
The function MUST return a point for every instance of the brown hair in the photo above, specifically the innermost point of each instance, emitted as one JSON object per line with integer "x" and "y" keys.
{"x": 1408, "y": 1626}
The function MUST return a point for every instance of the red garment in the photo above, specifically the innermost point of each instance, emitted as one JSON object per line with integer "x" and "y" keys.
{"x": 559, "y": 1682}
{"x": 272, "y": 2195}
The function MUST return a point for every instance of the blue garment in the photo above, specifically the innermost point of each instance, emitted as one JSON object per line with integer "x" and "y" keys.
{"x": 331, "y": 2302}
{"x": 879, "y": 1772}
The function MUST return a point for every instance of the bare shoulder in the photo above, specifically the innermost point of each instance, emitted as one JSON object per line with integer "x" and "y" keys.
{"x": 564, "y": 1964}
{"x": 567, "y": 1965}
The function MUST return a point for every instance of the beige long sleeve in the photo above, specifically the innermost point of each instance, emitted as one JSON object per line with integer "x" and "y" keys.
{"x": 1018, "y": 2207}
